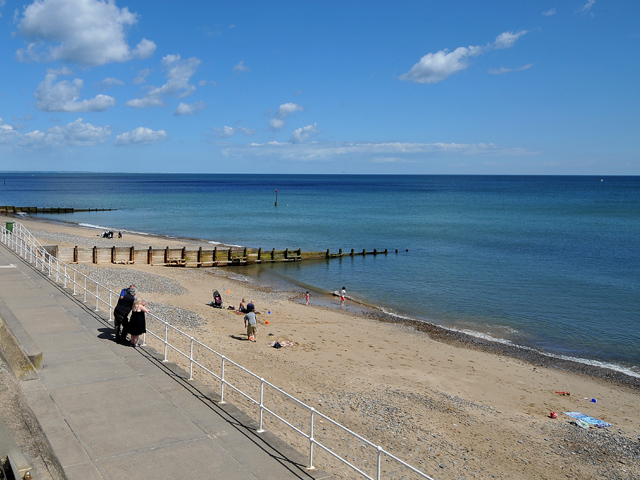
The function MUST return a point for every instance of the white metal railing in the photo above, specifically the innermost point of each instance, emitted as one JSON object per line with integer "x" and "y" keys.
{"x": 24, "y": 244}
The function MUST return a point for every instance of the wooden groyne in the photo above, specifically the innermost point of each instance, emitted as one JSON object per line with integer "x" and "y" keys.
{"x": 10, "y": 209}
{"x": 183, "y": 257}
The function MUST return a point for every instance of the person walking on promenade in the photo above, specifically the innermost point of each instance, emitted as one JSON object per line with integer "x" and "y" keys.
{"x": 138, "y": 323}
{"x": 343, "y": 294}
{"x": 251, "y": 323}
{"x": 121, "y": 312}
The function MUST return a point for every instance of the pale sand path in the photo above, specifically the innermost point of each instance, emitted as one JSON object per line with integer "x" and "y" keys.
{"x": 453, "y": 412}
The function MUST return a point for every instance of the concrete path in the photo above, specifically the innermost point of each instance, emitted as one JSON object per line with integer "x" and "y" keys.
{"x": 115, "y": 412}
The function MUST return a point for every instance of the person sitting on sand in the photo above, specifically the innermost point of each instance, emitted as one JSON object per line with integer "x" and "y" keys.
{"x": 243, "y": 307}
{"x": 251, "y": 322}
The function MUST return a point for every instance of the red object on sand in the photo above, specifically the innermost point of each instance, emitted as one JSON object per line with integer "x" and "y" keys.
{"x": 553, "y": 415}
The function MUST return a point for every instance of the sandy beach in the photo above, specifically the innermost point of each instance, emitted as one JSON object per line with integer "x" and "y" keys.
{"x": 452, "y": 406}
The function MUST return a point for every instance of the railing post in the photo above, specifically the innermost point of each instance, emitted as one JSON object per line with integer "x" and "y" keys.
{"x": 97, "y": 309}
{"x": 222, "y": 380}
{"x": 166, "y": 340}
{"x": 65, "y": 276}
{"x": 74, "y": 283}
{"x": 260, "y": 429}
{"x": 191, "y": 361}
{"x": 110, "y": 308}
{"x": 379, "y": 462}
{"x": 311, "y": 442}
{"x": 85, "y": 289}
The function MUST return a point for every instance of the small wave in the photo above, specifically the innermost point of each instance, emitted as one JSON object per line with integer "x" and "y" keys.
{"x": 594, "y": 363}
{"x": 89, "y": 225}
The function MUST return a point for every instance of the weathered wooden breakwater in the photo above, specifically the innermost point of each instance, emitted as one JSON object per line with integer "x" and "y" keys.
{"x": 183, "y": 257}
{"x": 10, "y": 209}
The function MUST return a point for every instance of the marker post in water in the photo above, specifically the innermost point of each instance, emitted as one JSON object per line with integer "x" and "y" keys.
{"x": 276, "y": 197}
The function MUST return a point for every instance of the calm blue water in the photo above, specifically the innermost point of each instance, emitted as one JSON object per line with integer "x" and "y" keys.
{"x": 551, "y": 263}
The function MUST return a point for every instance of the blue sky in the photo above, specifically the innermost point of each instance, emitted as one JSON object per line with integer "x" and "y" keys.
{"x": 410, "y": 87}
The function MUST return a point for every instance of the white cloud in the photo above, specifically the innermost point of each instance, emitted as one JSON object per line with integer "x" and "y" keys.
{"x": 179, "y": 73}
{"x": 436, "y": 67}
{"x": 63, "y": 96}
{"x": 304, "y": 134}
{"x": 142, "y": 76}
{"x": 549, "y": 12}
{"x": 75, "y": 133}
{"x": 7, "y": 132}
{"x": 86, "y": 32}
{"x": 190, "y": 108}
{"x": 227, "y": 132}
{"x": 82, "y": 134}
{"x": 241, "y": 68}
{"x": 507, "y": 39}
{"x": 276, "y": 124}
{"x": 112, "y": 82}
{"x": 501, "y": 70}
{"x": 406, "y": 152}
{"x": 586, "y": 8}
{"x": 285, "y": 110}
{"x": 141, "y": 136}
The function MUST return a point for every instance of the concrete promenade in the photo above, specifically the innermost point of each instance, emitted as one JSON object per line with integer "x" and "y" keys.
{"x": 116, "y": 412}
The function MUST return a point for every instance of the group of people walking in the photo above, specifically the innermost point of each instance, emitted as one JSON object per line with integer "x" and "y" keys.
{"x": 136, "y": 325}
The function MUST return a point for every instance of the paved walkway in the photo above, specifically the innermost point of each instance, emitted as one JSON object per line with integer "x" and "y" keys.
{"x": 112, "y": 412}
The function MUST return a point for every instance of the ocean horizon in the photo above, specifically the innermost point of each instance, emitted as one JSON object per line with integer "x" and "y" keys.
{"x": 548, "y": 263}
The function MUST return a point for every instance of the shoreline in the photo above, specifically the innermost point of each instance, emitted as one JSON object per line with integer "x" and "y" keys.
{"x": 613, "y": 373}
{"x": 448, "y": 403}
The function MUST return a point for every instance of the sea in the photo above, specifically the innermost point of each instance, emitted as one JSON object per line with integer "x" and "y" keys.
{"x": 549, "y": 263}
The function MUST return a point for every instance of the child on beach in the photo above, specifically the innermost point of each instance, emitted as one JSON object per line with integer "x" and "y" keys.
{"x": 306, "y": 297}
{"x": 251, "y": 323}
{"x": 343, "y": 293}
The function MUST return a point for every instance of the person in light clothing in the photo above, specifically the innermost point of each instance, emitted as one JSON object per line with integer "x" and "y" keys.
{"x": 251, "y": 323}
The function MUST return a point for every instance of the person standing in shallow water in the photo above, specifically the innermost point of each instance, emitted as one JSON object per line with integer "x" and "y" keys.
{"x": 343, "y": 294}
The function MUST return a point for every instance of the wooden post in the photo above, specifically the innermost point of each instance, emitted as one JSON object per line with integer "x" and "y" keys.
{"x": 300, "y": 253}
{"x": 340, "y": 252}
{"x": 364, "y": 252}
{"x": 215, "y": 255}
{"x": 352, "y": 252}
{"x": 386, "y": 251}
{"x": 113, "y": 254}
{"x": 132, "y": 254}
{"x": 273, "y": 254}
{"x": 327, "y": 253}
{"x": 75, "y": 254}
{"x": 183, "y": 256}
{"x": 286, "y": 253}
{"x": 375, "y": 252}
{"x": 259, "y": 253}
{"x": 166, "y": 255}
{"x": 150, "y": 256}
{"x": 95, "y": 254}
{"x": 244, "y": 253}
{"x": 199, "y": 256}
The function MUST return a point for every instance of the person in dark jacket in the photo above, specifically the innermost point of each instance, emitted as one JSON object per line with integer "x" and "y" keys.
{"x": 121, "y": 312}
